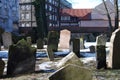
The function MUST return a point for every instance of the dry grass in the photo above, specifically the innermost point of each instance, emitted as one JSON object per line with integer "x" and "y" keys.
{"x": 101, "y": 74}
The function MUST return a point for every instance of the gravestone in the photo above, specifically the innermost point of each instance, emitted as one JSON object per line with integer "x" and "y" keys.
{"x": 92, "y": 49}
{"x": 53, "y": 40}
{"x": 29, "y": 40}
{"x": 72, "y": 72}
{"x": 101, "y": 51}
{"x": 75, "y": 46}
{"x": 65, "y": 39}
{"x": 21, "y": 58}
{"x": 71, "y": 58}
{"x": 82, "y": 43}
{"x": 7, "y": 39}
{"x": 114, "y": 54}
{"x": 39, "y": 43}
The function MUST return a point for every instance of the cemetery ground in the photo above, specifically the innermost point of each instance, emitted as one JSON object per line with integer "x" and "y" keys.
{"x": 88, "y": 60}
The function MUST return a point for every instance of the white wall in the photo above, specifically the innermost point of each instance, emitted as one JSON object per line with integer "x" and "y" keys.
{"x": 94, "y": 23}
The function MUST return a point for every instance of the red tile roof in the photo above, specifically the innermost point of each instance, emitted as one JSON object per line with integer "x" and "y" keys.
{"x": 80, "y": 13}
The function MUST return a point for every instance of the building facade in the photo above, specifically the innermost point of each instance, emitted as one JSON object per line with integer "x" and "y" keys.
{"x": 9, "y": 18}
{"x": 9, "y": 15}
{"x": 88, "y": 20}
{"x": 27, "y": 14}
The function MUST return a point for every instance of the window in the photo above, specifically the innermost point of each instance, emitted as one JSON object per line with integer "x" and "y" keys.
{"x": 46, "y": 6}
{"x": 50, "y": 24}
{"x": 28, "y": 7}
{"x": 50, "y": 17}
{"x": 27, "y": 16}
{"x": 27, "y": 25}
{"x": 50, "y": 1}
{"x": 23, "y": 25}
{"x": 22, "y": 7}
{"x": 22, "y": 16}
{"x": 50, "y": 8}
{"x": 27, "y": 0}
{"x": 22, "y": 1}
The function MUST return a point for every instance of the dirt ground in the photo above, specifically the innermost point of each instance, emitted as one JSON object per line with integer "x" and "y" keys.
{"x": 37, "y": 75}
{"x": 101, "y": 74}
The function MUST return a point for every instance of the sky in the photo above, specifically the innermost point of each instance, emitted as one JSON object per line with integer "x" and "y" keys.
{"x": 84, "y": 3}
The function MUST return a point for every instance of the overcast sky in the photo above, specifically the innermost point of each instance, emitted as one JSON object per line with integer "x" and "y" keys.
{"x": 84, "y": 3}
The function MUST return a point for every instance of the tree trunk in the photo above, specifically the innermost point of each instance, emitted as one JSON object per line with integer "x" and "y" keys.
{"x": 109, "y": 18}
{"x": 116, "y": 14}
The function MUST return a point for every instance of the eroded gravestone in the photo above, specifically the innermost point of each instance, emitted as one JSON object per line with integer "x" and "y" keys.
{"x": 101, "y": 51}
{"x": 64, "y": 39}
{"x": 71, "y": 58}
{"x": 72, "y": 72}
{"x": 7, "y": 39}
{"x": 53, "y": 40}
{"x": 114, "y": 54}
{"x": 82, "y": 43}
{"x": 21, "y": 58}
{"x": 75, "y": 46}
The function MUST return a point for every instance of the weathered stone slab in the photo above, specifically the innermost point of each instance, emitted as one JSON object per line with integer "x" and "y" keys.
{"x": 53, "y": 40}
{"x": 72, "y": 72}
{"x": 101, "y": 39}
{"x": 75, "y": 46}
{"x": 29, "y": 40}
{"x": 71, "y": 58}
{"x": 92, "y": 49}
{"x": 114, "y": 54}
{"x": 101, "y": 57}
{"x": 82, "y": 43}
{"x": 21, "y": 58}
{"x": 64, "y": 39}
{"x": 7, "y": 39}
{"x": 100, "y": 51}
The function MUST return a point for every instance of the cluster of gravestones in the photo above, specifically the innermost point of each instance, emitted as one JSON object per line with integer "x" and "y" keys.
{"x": 22, "y": 56}
{"x": 114, "y": 53}
{"x": 71, "y": 68}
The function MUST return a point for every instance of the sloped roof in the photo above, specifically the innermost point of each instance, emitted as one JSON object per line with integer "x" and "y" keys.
{"x": 80, "y": 13}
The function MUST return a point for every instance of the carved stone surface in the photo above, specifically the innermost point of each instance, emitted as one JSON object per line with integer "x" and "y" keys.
{"x": 114, "y": 54}
{"x": 72, "y": 72}
{"x": 71, "y": 58}
{"x": 21, "y": 58}
{"x": 7, "y": 39}
{"x": 100, "y": 51}
{"x": 64, "y": 39}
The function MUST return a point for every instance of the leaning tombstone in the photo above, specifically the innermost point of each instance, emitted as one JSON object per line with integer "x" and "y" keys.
{"x": 75, "y": 46}
{"x": 72, "y": 72}
{"x": 71, "y": 58}
{"x": 2, "y": 66}
{"x": 100, "y": 51}
{"x": 53, "y": 40}
{"x": 21, "y": 58}
{"x": 114, "y": 54}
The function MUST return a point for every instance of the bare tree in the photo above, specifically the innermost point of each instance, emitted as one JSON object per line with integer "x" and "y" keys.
{"x": 108, "y": 12}
{"x": 109, "y": 18}
{"x": 116, "y": 14}
{"x": 116, "y": 18}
